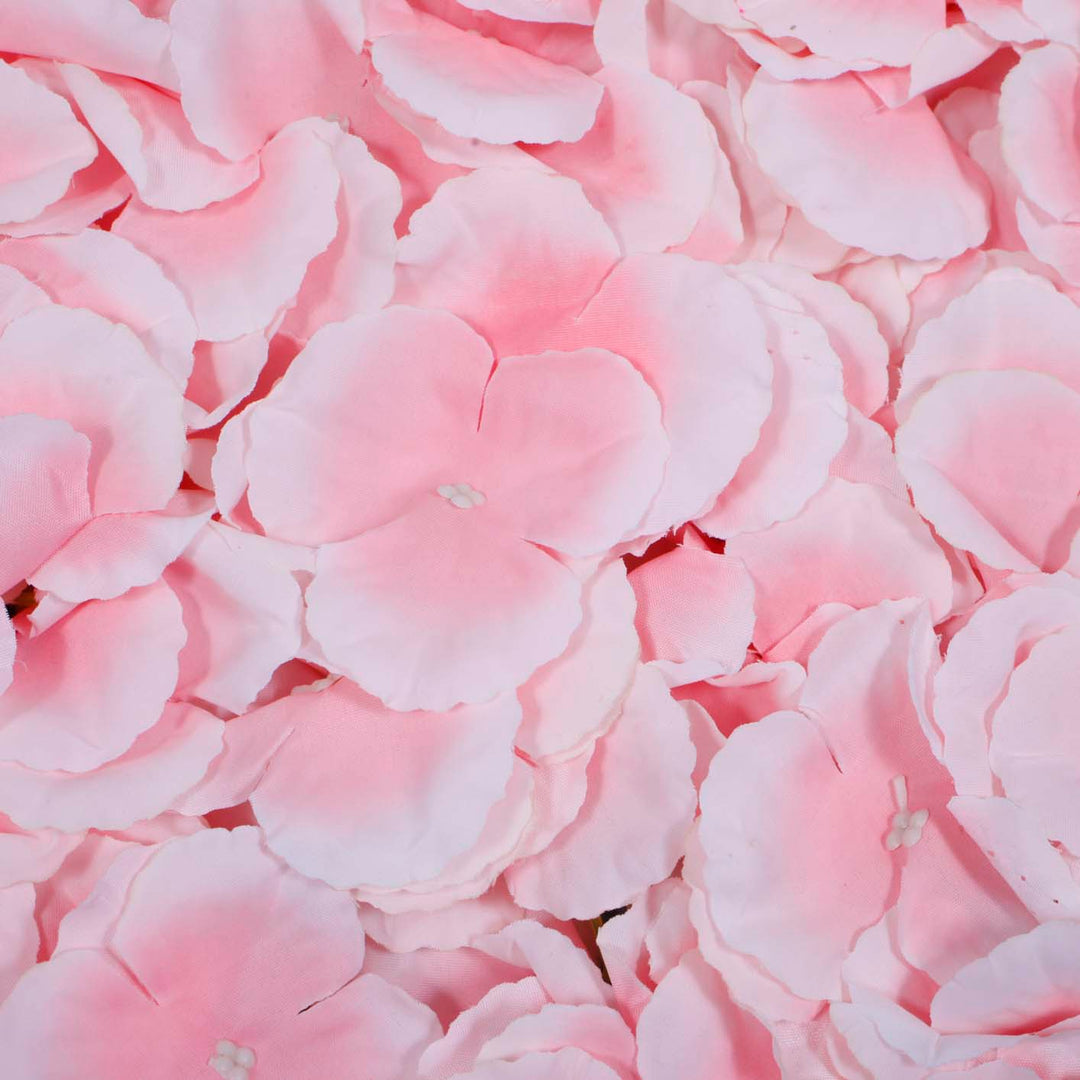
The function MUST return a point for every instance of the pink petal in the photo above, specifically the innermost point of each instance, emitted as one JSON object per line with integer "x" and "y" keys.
{"x": 61, "y": 1020}
{"x": 111, "y": 35}
{"x": 693, "y": 1030}
{"x": 139, "y": 784}
{"x": 1034, "y": 749}
{"x": 885, "y": 180}
{"x": 18, "y": 935}
{"x": 419, "y": 378}
{"x": 337, "y": 808}
{"x": 243, "y": 608}
{"x": 802, "y": 433}
{"x": 595, "y": 1029}
{"x": 985, "y": 455}
{"x": 619, "y": 844}
{"x": 561, "y": 473}
{"x": 1009, "y": 319}
{"x": 210, "y": 919}
{"x": 240, "y": 261}
{"x": 51, "y": 145}
{"x": 853, "y": 544}
{"x": 479, "y": 88}
{"x": 439, "y": 607}
{"x": 147, "y": 132}
{"x": 238, "y": 86}
{"x": 63, "y": 364}
{"x": 849, "y": 30}
{"x": 695, "y": 613}
{"x": 43, "y": 471}
{"x": 86, "y": 688}
{"x": 569, "y": 700}
{"x": 115, "y": 552}
{"x": 224, "y": 373}
{"x": 647, "y": 164}
{"x": 1027, "y": 983}
{"x": 696, "y": 336}
{"x": 781, "y": 885}
{"x": 355, "y": 274}
{"x": 103, "y": 272}
{"x": 562, "y": 1065}
{"x": 368, "y": 1021}
{"x": 513, "y": 254}
{"x": 756, "y": 691}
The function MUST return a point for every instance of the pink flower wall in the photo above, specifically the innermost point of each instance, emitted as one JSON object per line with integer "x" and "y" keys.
{"x": 540, "y": 540}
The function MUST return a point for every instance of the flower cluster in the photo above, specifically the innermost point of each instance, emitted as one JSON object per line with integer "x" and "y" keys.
{"x": 540, "y": 539}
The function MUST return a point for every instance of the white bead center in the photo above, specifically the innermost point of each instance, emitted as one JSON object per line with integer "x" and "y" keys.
{"x": 232, "y": 1062}
{"x": 907, "y": 825}
{"x": 463, "y": 496}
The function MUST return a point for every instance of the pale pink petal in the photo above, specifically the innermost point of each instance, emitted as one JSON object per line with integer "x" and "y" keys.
{"x": 451, "y": 1055}
{"x": 232, "y": 911}
{"x": 781, "y": 885}
{"x": 61, "y": 1018}
{"x": 851, "y": 327}
{"x": 240, "y": 261}
{"x": 7, "y": 651}
{"x": 52, "y": 145}
{"x": 359, "y": 795}
{"x": 987, "y": 457}
{"x": 440, "y": 606}
{"x": 595, "y": 1029}
{"x": 867, "y": 457}
{"x": 1027, "y": 983}
{"x": 451, "y": 927}
{"x": 103, "y": 272}
{"x": 648, "y": 163}
{"x": 948, "y": 54}
{"x": 696, "y": 336}
{"x": 224, "y": 373}
{"x": 804, "y": 430}
{"x": 1009, "y": 319}
{"x": 249, "y": 742}
{"x": 18, "y": 295}
{"x": 115, "y": 552}
{"x": 239, "y": 87}
{"x": 748, "y": 695}
{"x": 571, "y": 699}
{"x": 1004, "y": 19}
{"x": 139, "y": 784}
{"x": 477, "y": 87}
{"x": 566, "y": 1064}
{"x": 560, "y": 472}
{"x": 849, "y": 30}
{"x": 1059, "y": 18}
{"x": 619, "y": 844}
{"x": 369, "y": 1023}
{"x": 63, "y": 364}
{"x": 513, "y": 253}
{"x": 111, "y": 35}
{"x": 242, "y": 607}
{"x": 18, "y": 935}
{"x": 695, "y": 613}
{"x": 43, "y": 473}
{"x": 693, "y": 1030}
{"x": 853, "y": 544}
{"x": 147, "y": 132}
{"x": 355, "y": 274}
{"x": 419, "y": 378}
{"x": 86, "y": 688}
{"x": 979, "y": 665}
{"x": 1015, "y": 842}
{"x": 1034, "y": 749}
{"x": 885, "y": 180}
{"x": 539, "y": 11}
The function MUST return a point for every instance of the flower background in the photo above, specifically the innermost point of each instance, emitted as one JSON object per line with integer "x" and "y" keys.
{"x": 539, "y": 539}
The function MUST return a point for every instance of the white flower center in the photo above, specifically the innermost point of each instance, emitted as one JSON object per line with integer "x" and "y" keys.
{"x": 906, "y": 825}
{"x": 463, "y": 496}
{"x": 232, "y": 1062}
